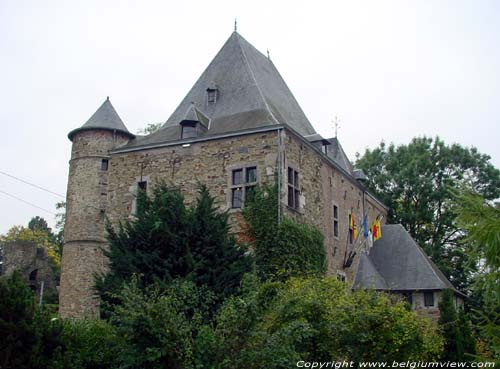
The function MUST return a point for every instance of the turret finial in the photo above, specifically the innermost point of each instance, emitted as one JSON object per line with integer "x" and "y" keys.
{"x": 235, "y": 25}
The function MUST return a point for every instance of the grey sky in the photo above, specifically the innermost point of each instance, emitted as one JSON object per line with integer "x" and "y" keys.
{"x": 389, "y": 70}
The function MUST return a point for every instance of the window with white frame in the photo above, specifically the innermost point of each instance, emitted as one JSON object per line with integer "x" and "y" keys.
{"x": 243, "y": 181}
{"x": 335, "y": 221}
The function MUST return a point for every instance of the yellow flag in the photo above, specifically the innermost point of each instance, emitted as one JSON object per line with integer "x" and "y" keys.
{"x": 376, "y": 230}
{"x": 354, "y": 228}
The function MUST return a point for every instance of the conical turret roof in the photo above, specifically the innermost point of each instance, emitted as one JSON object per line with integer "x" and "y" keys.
{"x": 105, "y": 118}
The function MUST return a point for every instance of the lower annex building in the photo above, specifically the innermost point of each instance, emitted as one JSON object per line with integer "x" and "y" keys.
{"x": 238, "y": 126}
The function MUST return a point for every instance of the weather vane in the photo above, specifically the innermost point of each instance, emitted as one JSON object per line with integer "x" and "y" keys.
{"x": 336, "y": 122}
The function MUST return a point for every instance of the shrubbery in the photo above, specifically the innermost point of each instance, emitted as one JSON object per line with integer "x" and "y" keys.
{"x": 178, "y": 298}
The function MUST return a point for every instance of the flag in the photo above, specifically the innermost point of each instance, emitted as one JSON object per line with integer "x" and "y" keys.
{"x": 365, "y": 226}
{"x": 353, "y": 228}
{"x": 376, "y": 229}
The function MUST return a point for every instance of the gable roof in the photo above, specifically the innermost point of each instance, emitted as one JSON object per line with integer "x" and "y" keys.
{"x": 250, "y": 94}
{"x": 400, "y": 262}
{"x": 105, "y": 118}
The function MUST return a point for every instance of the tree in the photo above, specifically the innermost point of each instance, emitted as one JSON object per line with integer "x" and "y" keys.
{"x": 38, "y": 235}
{"x": 417, "y": 182}
{"x": 150, "y": 128}
{"x": 282, "y": 249}
{"x": 38, "y": 223}
{"x": 60, "y": 223}
{"x": 481, "y": 221}
{"x": 277, "y": 324}
{"x": 167, "y": 241}
{"x": 448, "y": 322}
{"x": 29, "y": 338}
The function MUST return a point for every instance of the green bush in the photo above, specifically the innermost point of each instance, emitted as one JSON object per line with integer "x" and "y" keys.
{"x": 318, "y": 319}
{"x": 164, "y": 328}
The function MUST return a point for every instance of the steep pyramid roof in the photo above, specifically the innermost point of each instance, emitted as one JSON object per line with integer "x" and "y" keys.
{"x": 250, "y": 94}
{"x": 105, "y": 118}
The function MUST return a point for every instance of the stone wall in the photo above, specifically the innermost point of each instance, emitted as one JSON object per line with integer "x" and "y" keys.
{"x": 94, "y": 194}
{"x": 208, "y": 162}
{"x": 33, "y": 263}
{"x": 84, "y": 233}
{"x": 322, "y": 186}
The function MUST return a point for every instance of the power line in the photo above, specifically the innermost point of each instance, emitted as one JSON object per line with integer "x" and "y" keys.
{"x": 31, "y": 184}
{"x": 27, "y": 202}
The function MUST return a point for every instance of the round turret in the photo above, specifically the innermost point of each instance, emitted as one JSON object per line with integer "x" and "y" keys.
{"x": 86, "y": 206}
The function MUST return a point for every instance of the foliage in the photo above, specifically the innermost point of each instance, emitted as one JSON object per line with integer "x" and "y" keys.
{"x": 168, "y": 241}
{"x": 281, "y": 249}
{"x": 317, "y": 319}
{"x": 448, "y": 322}
{"x": 468, "y": 339}
{"x": 60, "y": 223}
{"x": 417, "y": 181}
{"x": 150, "y": 128}
{"x": 481, "y": 220}
{"x": 30, "y": 339}
{"x": 90, "y": 344}
{"x": 164, "y": 328}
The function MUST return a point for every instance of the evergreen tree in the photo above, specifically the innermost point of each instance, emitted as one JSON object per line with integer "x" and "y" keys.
{"x": 448, "y": 322}
{"x": 167, "y": 241}
{"x": 29, "y": 339}
{"x": 218, "y": 262}
{"x": 468, "y": 340}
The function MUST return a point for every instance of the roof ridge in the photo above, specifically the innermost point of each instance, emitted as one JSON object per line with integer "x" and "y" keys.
{"x": 253, "y": 77}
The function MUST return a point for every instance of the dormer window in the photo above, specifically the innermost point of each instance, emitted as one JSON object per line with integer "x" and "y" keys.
{"x": 189, "y": 129}
{"x": 212, "y": 93}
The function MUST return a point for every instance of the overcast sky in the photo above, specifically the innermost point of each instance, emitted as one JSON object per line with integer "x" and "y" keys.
{"x": 390, "y": 70}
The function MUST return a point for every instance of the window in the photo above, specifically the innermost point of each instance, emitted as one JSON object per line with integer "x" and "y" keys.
{"x": 324, "y": 149}
{"x": 293, "y": 189}
{"x": 335, "y": 221}
{"x": 188, "y": 130}
{"x": 429, "y": 298}
{"x": 211, "y": 95}
{"x": 142, "y": 185}
{"x": 104, "y": 164}
{"x": 243, "y": 181}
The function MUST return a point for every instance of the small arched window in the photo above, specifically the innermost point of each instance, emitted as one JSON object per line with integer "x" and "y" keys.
{"x": 33, "y": 275}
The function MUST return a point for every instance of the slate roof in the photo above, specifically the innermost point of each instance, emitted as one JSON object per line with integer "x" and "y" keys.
{"x": 250, "y": 94}
{"x": 334, "y": 151}
{"x": 396, "y": 262}
{"x": 337, "y": 153}
{"x": 105, "y": 118}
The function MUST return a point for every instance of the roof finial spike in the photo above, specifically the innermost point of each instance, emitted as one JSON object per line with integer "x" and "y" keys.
{"x": 235, "y": 25}
{"x": 107, "y": 98}
{"x": 336, "y": 122}
{"x": 268, "y": 55}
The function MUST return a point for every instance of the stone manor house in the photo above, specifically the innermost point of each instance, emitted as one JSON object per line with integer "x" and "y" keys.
{"x": 238, "y": 126}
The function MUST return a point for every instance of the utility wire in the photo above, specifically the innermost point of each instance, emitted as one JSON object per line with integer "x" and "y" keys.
{"x": 27, "y": 202}
{"x": 31, "y": 184}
